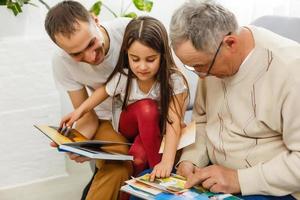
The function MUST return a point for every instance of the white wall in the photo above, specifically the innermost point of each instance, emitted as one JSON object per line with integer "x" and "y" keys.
{"x": 28, "y": 96}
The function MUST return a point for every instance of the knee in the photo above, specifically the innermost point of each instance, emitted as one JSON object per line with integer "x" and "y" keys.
{"x": 147, "y": 108}
{"x": 140, "y": 158}
{"x": 140, "y": 162}
{"x": 123, "y": 171}
{"x": 139, "y": 165}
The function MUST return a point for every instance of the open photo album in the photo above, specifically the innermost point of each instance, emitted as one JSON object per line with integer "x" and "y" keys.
{"x": 75, "y": 142}
{"x": 171, "y": 188}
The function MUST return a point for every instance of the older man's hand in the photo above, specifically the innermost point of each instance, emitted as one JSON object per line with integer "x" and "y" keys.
{"x": 185, "y": 168}
{"x": 215, "y": 178}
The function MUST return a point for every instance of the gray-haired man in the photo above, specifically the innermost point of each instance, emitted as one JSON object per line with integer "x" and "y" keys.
{"x": 246, "y": 106}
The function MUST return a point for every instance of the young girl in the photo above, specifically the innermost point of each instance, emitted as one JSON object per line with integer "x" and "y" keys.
{"x": 149, "y": 93}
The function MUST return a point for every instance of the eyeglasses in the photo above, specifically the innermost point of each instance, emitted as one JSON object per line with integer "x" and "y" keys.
{"x": 207, "y": 73}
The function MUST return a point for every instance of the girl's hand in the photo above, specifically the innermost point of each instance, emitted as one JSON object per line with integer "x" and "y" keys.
{"x": 161, "y": 170}
{"x": 69, "y": 119}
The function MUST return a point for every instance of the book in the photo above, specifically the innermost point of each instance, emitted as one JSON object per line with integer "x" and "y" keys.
{"x": 77, "y": 143}
{"x": 187, "y": 137}
{"x": 173, "y": 184}
{"x": 171, "y": 188}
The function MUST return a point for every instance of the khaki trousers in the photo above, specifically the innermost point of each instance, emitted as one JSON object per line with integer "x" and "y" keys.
{"x": 110, "y": 175}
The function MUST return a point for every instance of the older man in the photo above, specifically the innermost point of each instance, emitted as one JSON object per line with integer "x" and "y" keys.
{"x": 248, "y": 124}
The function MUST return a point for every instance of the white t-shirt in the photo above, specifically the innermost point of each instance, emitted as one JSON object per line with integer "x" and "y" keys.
{"x": 70, "y": 75}
{"x": 117, "y": 86}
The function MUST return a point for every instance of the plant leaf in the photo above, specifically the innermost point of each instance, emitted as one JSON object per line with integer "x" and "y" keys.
{"x": 18, "y": 7}
{"x": 21, "y": 2}
{"x": 15, "y": 7}
{"x": 2, "y": 2}
{"x": 143, "y": 5}
{"x": 96, "y": 8}
{"x": 13, "y": 10}
{"x": 130, "y": 15}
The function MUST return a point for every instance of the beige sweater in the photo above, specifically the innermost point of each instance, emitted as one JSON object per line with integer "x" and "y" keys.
{"x": 251, "y": 121}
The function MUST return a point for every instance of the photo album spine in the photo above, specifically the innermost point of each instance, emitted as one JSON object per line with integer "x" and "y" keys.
{"x": 94, "y": 154}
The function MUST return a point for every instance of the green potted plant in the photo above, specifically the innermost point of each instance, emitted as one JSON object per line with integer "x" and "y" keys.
{"x": 142, "y": 5}
{"x": 16, "y": 5}
{"x": 12, "y": 18}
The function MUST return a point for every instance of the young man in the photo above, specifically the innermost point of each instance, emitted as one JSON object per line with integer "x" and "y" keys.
{"x": 89, "y": 53}
{"x": 246, "y": 106}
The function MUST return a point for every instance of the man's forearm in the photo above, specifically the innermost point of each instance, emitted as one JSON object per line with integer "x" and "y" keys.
{"x": 196, "y": 153}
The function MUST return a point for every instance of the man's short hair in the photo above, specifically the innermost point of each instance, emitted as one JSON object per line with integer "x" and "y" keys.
{"x": 203, "y": 23}
{"x": 63, "y": 18}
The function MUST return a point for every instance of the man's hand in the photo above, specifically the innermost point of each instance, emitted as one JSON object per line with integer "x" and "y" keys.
{"x": 77, "y": 158}
{"x": 53, "y": 144}
{"x": 216, "y": 179}
{"x": 185, "y": 168}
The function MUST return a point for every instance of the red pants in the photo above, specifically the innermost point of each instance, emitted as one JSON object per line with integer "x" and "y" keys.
{"x": 139, "y": 123}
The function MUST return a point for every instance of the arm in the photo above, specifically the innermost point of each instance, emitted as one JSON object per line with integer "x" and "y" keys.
{"x": 83, "y": 105}
{"x": 77, "y": 92}
{"x": 96, "y": 98}
{"x": 279, "y": 175}
{"x": 176, "y": 112}
{"x": 197, "y": 153}
{"x": 195, "y": 158}
{"x": 88, "y": 123}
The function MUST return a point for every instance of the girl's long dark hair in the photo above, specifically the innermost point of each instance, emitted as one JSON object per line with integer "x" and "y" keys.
{"x": 152, "y": 33}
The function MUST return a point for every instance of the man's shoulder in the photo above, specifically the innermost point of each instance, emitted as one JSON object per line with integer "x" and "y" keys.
{"x": 63, "y": 64}
{"x": 59, "y": 56}
{"x": 273, "y": 41}
{"x": 285, "y": 50}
